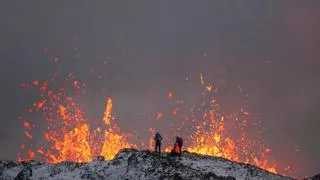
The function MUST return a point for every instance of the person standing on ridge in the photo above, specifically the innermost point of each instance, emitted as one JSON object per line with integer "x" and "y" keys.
{"x": 157, "y": 139}
{"x": 179, "y": 141}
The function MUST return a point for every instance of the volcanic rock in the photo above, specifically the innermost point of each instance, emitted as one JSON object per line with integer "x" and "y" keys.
{"x": 100, "y": 158}
{"x": 132, "y": 164}
{"x": 315, "y": 177}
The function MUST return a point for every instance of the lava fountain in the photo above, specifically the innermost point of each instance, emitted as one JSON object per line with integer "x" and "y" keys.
{"x": 69, "y": 137}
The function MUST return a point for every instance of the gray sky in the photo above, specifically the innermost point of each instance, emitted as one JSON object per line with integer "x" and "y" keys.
{"x": 270, "y": 48}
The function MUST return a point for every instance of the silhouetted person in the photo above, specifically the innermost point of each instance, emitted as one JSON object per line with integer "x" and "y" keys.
{"x": 179, "y": 141}
{"x": 157, "y": 139}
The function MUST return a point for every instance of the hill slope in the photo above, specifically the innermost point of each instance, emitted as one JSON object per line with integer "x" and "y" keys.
{"x": 132, "y": 164}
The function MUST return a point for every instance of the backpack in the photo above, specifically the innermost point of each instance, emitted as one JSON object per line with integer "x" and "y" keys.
{"x": 176, "y": 148}
{"x": 157, "y": 137}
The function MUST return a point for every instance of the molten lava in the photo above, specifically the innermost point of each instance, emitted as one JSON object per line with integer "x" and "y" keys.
{"x": 113, "y": 141}
{"x": 69, "y": 137}
{"x": 68, "y": 133}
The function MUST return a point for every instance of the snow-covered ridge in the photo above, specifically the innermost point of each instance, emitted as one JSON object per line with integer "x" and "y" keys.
{"x": 132, "y": 164}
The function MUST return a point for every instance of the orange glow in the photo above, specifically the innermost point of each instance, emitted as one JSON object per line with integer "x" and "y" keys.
{"x": 107, "y": 113}
{"x": 201, "y": 79}
{"x": 114, "y": 141}
{"x": 28, "y": 134}
{"x": 170, "y": 94}
{"x": 44, "y": 86}
{"x": 175, "y": 111}
{"x": 63, "y": 114}
{"x": 41, "y": 103}
{"x": 31, "y": 154}
{"x": 212, "y": 138}
{"x": 40, "y": 150}
{"x": 159, "y": 115}
{"x": 26, "y": 125}
{"x": 35, "y": 83}
{"x": 68, "y": 131}
{"x": 151, "y": 140}
{"x": 209, "y": 87}
{"x": 73, "y": 146}
{"x": 70, "y": 136}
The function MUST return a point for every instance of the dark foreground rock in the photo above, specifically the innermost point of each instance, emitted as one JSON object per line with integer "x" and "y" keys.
{"x": 132, "y": 164}
{"x": 315, "y": 177}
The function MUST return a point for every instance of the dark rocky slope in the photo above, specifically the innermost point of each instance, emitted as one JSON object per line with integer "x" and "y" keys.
{"x": 132, "y": 164}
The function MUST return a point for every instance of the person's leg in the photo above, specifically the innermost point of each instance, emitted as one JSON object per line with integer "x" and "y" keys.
{"x": 159, "y": 147}
{"x": 172, "y": 152}
{"x": 156, "y": 147}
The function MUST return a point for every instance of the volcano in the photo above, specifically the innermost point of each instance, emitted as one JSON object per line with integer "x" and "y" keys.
{"x": 134, "y": 164}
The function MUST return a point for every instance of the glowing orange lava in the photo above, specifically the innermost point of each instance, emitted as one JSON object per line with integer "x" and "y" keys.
{"x": 68, "y": 133}
{"x": 69, "y": 137}
{"x": 211, "y": 138}
{"x": 114, "y": 141}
